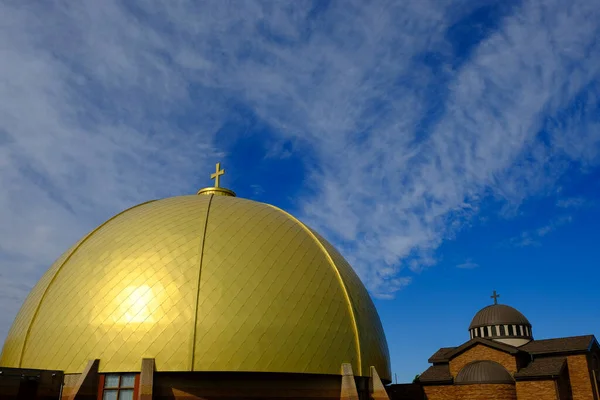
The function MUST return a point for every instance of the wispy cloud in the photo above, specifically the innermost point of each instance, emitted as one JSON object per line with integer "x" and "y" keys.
{"x": 106, "y": 105}
{"x": 468, "y": 265}
{"x": 533, "y": 237}
{"x": 572, "y": 202}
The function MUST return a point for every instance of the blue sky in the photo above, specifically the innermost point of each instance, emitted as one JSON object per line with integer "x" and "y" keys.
{"x": 447, "y": 148}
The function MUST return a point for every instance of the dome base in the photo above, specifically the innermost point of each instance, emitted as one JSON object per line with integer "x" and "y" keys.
{"x": 217, "y": 191}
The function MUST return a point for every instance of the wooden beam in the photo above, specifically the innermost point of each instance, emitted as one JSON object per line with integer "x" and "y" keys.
{"x": 146, "y": 379}
{"x": 348, "y": 391}
{"x": 376, "y": 388}
{"x": 87, "y": 385}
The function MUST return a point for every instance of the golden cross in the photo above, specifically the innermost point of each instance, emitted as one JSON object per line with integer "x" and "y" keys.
{"x": 217, "y": 174}
{"x": 495, "y": 297}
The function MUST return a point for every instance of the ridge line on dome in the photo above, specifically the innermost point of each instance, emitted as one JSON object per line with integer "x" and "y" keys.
{"x": 200, "y": 261}
{"x": 67, "y": 259}
{"x": 340, "y": 279}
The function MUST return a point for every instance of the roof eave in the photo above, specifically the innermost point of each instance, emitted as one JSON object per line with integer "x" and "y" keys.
{"x": 490, "y": 382}
{"x": 544, "y": 377}
{"x": 489, "y": 343}
{"x": 503, "y": 323}
{"x": 558, "y": 353}
{"x": 449, "y": 381}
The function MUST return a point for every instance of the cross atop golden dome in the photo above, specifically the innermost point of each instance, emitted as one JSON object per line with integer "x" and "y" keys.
{"x": 217, "y": 190}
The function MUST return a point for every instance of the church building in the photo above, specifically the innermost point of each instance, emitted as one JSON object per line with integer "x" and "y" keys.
{"x": 211, "y": 296}
{"x": 502, "y": 361}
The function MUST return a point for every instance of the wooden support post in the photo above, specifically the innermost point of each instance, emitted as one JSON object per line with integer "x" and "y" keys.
{"x": 376, "y": 388}
{"x": 146, "y": 379}
{"x": 87, "y": 385}
{"x": 349, "y": 391}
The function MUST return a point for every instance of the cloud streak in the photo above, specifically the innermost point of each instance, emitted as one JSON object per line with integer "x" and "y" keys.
{"x": 468, "y": 265}
{"x": 533, "y": 237}
{"x": 105, "y": 106}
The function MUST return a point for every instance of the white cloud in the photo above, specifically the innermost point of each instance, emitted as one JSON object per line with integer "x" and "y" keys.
{"x": 571, "y": 202}
{"x": 468, "y": 265}
{"x": 533, "y": 237}
{"x": 103, "y": 107}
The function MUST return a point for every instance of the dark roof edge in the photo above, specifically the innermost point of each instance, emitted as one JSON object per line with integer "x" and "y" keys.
{"x": 557, "y": 353}
{"x": 592, "y": 342}
{"x": 518, "y": 377}
{"x": 490, "y": 343}
{"x": 440, "y": 359}
{"x": 504, "y": 323}
{"x": 537, "y": 377}
{"x": 448, "y": 381}
{"x": 490, "y": 382}
{"x": 437, "y": 360}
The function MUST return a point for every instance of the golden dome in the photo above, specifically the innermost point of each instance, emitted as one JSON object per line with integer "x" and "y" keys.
{"x": 200, "y": 283}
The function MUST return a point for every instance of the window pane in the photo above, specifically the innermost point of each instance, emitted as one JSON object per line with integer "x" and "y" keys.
{"x": 111, "y": 381}
{"x": 510, "y": 330}
{"x": 127, "y": 380}
{"x": 110, "y": 395}
{"x": 502, "y": 332}
{"x": 495, "y": 330}
{"x": 126, "y": 394}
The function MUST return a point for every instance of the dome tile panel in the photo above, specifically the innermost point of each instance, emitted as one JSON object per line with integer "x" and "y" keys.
{"x": 374, "y": 348}
{"x": 119, "y": 286}
{"x": 484, "y": 371}
{"x": 498, "y": 314}
{"x": 282, "y": 290}
{"x": 11, "y": 352}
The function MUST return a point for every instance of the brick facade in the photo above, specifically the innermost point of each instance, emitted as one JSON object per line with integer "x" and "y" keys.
{"x": 536, "y": 390}
{"x": 441, "y": 392}
{"x": 579, "y": 372}
{"x": 486, "y": 392}
{"x": 471, "y": 392}
{"x": 482, "y": 352}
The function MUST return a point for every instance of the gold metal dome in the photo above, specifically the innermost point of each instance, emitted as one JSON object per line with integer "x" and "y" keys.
{"x": 200, "y": 283}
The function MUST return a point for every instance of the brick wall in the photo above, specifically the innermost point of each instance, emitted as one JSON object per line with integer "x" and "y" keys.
{"x": 579, "y": 372}
{"x": 471, "y": 392}
{"x": 486, "y": 391}
{"x": 441, "y": 392}
{"x": 536, "y": 390}
{"x": 481, "y": 352}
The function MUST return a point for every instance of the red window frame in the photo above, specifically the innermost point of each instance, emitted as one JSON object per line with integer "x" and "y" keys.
{"x": 136, "y": 384}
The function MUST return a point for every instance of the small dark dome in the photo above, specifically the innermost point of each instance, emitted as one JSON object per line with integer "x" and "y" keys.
{"x": 498, "y": 314}
{"x": 483, "y": 372}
